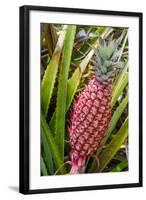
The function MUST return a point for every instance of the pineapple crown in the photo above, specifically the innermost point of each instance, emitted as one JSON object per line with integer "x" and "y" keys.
{"x": 106, "y": 59}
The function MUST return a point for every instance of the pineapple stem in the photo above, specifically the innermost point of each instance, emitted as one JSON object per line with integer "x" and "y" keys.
{"x": 77, "y": 169}
{"x": 77, "y": 163}
{"x": 74, "y": 170}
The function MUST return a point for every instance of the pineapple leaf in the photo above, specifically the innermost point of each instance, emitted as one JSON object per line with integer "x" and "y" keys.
{"x": 120, "y": 84}
{"x": 50, "y": 36}
{"x": 105, "y": 52}
{"x": 43, "y": 167}
{"x": 101, "y": 41}
{"x": 52, "y": 144}
{"x": 119, "y": 40}
{"x": 115, "y": 144}
{"x": 62, "y": 88}
{"x": 47, "y": 153}
{"x": 102, "y": 52}
{"x": 71, "y": 90}
{"x": 50, "y": 74}
{"x": 72, "y": 86}
{"x": 120, "y": 166}
{"x": 123, "y": 46}
{"x": 111, "y": 49}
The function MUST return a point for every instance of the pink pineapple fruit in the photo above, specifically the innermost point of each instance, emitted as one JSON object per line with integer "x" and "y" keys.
{"x": 92, "y": 111}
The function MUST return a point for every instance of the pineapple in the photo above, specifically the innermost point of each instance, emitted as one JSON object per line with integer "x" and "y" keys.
{"x": 92, "y": 110}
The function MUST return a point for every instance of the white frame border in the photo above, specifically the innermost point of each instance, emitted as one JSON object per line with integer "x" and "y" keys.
{"x": 38, "y": 182}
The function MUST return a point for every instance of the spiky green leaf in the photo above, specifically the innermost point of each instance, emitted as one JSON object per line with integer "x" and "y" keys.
{"x": 62, "y": 88}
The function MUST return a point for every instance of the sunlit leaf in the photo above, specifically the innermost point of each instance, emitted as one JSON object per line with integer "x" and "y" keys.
{"x": 62, "y": 88}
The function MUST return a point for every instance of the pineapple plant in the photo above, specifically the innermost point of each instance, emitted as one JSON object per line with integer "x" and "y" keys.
{"x": 92, "y": 110}
{"x": 83, "y": 97}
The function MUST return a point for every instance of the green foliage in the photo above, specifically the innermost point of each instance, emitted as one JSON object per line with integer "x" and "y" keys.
{"x": 52, "y": 144}
{"x": 119, "y": 167}
{"x": 50, "y": 75}
{"x": 109, "y": 152}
